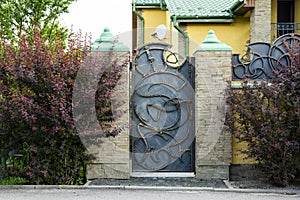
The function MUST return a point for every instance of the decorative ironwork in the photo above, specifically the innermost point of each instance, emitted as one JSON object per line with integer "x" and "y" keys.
{"x": 163, "y": 111}
{"x": 282, "y": 28}
{"x": 262, "y": 60}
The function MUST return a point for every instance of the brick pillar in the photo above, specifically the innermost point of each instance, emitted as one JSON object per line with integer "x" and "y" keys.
{"x": 260, "y": 22}
{"x": 111, "y": 154}
{"x": 213, "y": 142}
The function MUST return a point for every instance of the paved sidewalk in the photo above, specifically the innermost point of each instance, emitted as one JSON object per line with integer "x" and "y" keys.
{"x": 140, "y": 194}
{"x": 159, "y": 184}
{"x": 186, "y": 184}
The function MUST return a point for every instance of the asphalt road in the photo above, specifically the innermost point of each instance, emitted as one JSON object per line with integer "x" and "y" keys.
{"x": 125, "y": 194}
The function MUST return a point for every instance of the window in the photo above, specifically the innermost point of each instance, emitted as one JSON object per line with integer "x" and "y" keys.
{"x": 285, "y": 17}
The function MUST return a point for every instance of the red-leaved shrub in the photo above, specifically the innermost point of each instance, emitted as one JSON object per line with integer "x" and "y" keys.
{"x": 266, "y": 115}
{"x": 37, "y": 133}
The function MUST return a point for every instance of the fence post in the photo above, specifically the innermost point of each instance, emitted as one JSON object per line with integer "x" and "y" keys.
{"x": 111, "y": 154}
{"x": 213, "y": 142}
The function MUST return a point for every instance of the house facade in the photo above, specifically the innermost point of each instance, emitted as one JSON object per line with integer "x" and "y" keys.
{"x": 236, "y": 22}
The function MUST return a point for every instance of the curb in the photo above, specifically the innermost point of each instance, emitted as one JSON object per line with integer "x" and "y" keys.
{"x": 158, "y": 188}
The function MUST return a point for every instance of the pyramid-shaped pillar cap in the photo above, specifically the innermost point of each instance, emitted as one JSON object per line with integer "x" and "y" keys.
{"x": 212, "y": 43}
{"x": 107, "y": 42}
{"x": 106, "y": 36}
{"x": 211, "y": 38}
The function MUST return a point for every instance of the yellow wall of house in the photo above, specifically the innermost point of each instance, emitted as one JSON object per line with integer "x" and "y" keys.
{"x": 237, "y": 156}
{"x": 234, "y": 34}
{"x": 273, "y": 19}
{"x": 153, "y": 18}
{"x": 168, "y": 21}
{"x": 297, "y": 10}
{"x": 297, "y": 13}
{"x": 274, "y": 11}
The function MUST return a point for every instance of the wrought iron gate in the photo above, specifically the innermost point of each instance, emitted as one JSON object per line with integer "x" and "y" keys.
{"x": 163, "y": 111}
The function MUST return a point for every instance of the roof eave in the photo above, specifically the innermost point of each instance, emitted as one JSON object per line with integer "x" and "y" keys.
{"x": 161, "y": 5}
{"x": 205, "y": 19}
{"x": 144, "y": 5}
{"x": 238, "y": 5}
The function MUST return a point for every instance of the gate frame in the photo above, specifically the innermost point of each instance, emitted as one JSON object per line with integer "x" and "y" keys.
{"x": 191, "y": 74}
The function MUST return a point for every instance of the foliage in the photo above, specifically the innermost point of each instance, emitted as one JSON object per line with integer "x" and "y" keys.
{"x": 19, "y": 15}
{"x": 110, "y": 78}
{"x": 13, "y": 181}
{"x": 37, "y": 134}
{"x": 266, "y": 115}
{"x": 99, "y": 85}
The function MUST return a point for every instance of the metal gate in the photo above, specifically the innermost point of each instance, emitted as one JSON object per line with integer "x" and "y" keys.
{"x": 162, "y": 138}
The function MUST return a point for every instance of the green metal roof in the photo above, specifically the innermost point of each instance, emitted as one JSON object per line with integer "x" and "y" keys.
{"x": 197, "y": 8}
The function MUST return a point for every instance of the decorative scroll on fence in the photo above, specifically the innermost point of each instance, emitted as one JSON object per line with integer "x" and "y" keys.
{"x": 262, "y": 60}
